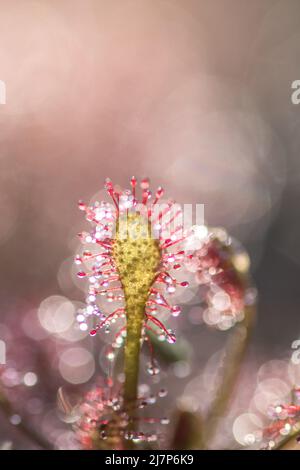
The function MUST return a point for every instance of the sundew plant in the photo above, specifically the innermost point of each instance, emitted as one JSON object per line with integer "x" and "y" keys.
{"x": 134, "y": 259}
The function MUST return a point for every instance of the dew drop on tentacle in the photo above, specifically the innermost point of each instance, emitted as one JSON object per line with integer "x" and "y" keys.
{"x": 81, "y": 206}
{"x": 175, "y": 311}
{"x": 153, "y": 369}
{"x": 81, "y": 274}
{"x": 164, "y": 421}
{"x": 171, "y": 337}
{"x": 145, "y": 183}
{"x": 162, "y": 393}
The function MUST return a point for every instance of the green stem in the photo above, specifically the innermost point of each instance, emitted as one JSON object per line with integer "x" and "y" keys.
{"x": 135, "y": 318}
{"x": 135, "y": 308}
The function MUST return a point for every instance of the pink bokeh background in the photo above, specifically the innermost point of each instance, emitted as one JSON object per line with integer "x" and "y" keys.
{"x": 194, "y": 94}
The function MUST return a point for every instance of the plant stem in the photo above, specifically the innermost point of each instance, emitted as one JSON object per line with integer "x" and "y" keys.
{"x": 188, "y": 431}
{"x": 135, "y": 308}
{"x": 229, "y": 370}
{"x": 290, "y": 442}
{"x": 135, "y": 318}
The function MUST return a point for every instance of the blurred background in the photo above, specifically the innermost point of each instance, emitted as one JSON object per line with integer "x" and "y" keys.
{"x": 195, "y": 94}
